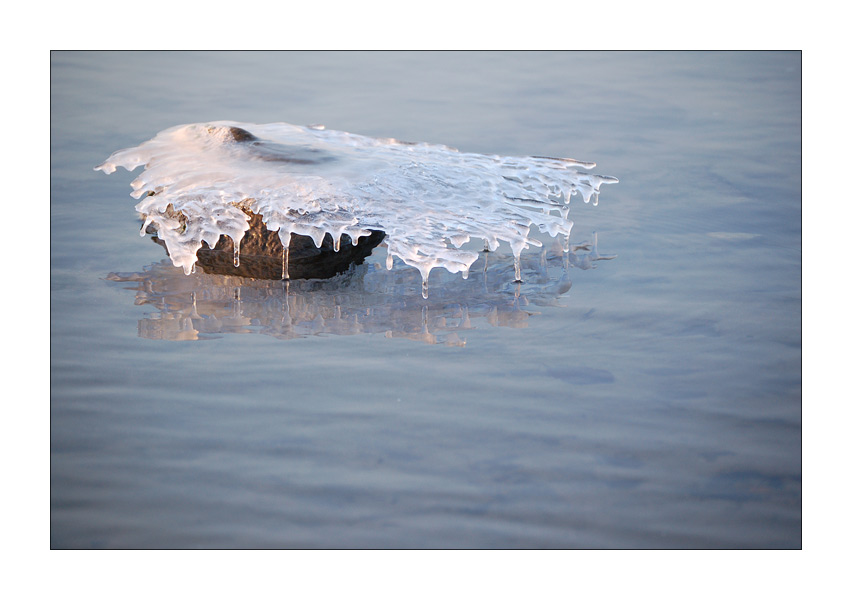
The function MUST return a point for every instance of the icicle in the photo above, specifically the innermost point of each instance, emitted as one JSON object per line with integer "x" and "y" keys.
{"x": 144, "y": 228}
{"x": 518, "y": 268}
{"x": 285, "y": 264}
{"x": 193, "y": 268}
{"x": 337, "y": 242}
{"x": 284, "y": 236}
{"x": 236, "y": 254}
{"x": 465, "y": 273}
{"x": 566, "y": 239}
{"x": 389, "y": 262}
{"x": 424, "y": 277}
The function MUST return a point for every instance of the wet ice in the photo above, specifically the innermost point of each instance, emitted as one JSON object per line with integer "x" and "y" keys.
{"x": 430, "y": 200}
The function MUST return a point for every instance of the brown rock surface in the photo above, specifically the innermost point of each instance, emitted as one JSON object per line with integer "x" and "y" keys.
{"x": 261, "y": 254}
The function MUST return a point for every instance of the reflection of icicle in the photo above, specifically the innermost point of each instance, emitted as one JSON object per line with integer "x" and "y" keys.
{"x": 485, "y": 272}
{"x": 193, "y": 313}
{"x": 366, "y": 300}
{"x": 597, "y": 256}
{"x": 286, "y": 318}
{"x": 587, "y": 261}
{"x": 542, "y": 266}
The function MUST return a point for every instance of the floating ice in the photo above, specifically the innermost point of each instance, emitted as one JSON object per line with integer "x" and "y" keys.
{"x": 430, "y": 200}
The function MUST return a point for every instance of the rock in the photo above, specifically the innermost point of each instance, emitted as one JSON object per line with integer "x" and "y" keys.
{"x": 238, "y": 134}
{"x": 261, "y": 254}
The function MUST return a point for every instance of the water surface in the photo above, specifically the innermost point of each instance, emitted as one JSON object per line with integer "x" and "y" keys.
{"x": 650, "y": 400}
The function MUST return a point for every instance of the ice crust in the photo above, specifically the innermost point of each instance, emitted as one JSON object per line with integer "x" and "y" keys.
{"x": 430, "y": 200}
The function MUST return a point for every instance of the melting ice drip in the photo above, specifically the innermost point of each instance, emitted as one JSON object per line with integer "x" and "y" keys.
{"x": 429, "y": 200}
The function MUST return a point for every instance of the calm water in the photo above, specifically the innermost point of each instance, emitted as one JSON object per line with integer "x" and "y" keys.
{"x": 651, "y": 400}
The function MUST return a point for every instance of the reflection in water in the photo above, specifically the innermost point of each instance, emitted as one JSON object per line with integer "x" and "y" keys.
{"x": 366, "y": 299}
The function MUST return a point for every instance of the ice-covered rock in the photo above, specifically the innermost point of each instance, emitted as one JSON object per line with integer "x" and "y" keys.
{"x": 203, "y": 181}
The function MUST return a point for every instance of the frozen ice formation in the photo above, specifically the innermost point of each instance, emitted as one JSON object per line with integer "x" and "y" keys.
{"x": 430, "y": 200}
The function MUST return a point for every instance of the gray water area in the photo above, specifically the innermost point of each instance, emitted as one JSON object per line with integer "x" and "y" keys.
{"x": 650, "y": 400}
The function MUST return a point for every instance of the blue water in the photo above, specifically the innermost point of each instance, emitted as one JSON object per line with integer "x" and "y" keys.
{"x": 655, "y": 402}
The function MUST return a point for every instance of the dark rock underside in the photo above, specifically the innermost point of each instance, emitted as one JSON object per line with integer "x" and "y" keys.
{"x": 261, "y": 254}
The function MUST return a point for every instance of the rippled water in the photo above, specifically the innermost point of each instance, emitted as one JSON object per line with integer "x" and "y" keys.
{"x": 649, "y": 400}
